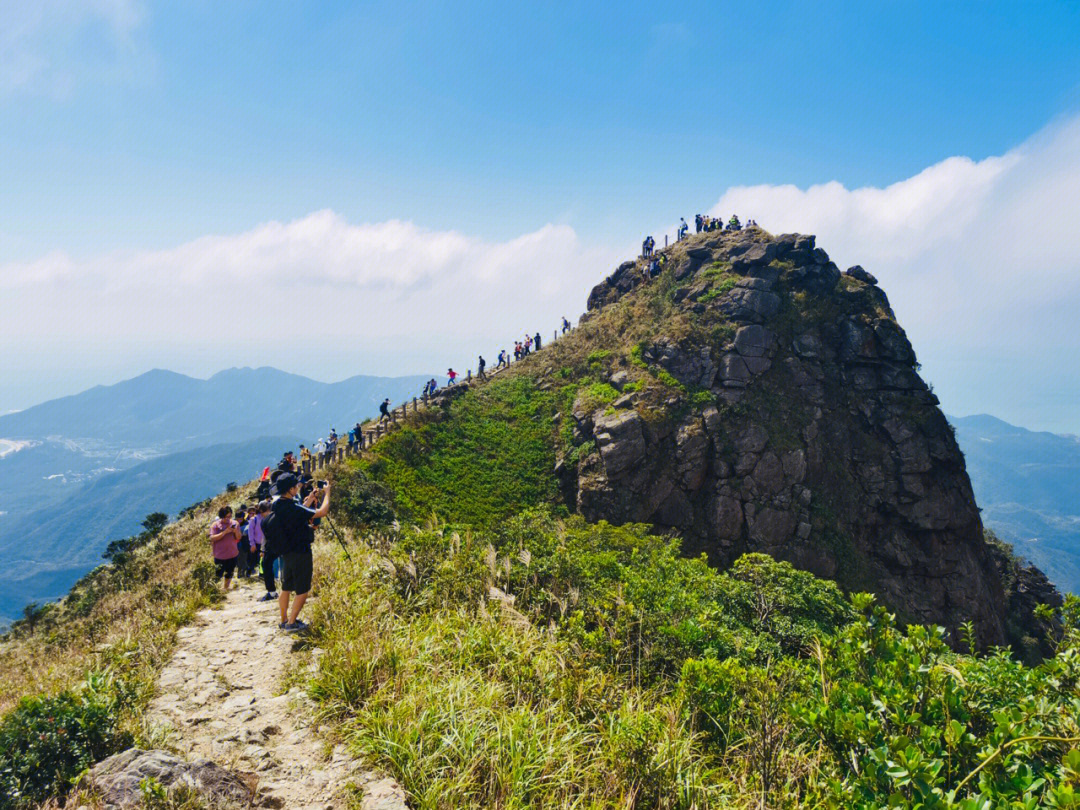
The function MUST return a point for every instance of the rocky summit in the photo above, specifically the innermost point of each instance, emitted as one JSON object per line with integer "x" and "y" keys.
{"x": 791, "y": 420}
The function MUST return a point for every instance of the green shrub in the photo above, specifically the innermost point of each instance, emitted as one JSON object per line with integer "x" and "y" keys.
{"x": 597, "y": 394}
{"x": 45, "y": 742}
{"x": 492, "y": 455}
{"x": 360, "y": 501}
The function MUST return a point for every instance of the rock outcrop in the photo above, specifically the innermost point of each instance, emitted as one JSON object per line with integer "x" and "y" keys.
{"x": 119, "y": 780}
{"x": 793, "y": 421}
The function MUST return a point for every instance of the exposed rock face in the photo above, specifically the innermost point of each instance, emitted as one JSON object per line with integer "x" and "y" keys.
{"x": 118, "y": 779}
{"x": 821, "y": 446}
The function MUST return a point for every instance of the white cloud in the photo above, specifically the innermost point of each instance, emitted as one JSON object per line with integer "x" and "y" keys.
{"x": 53, "y": 46}
{"x": 408, "y": 298}
{"x": 980, "y": 259}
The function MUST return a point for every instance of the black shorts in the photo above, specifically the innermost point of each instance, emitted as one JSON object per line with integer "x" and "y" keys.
{"x": 296, "y": 572}
{"x": 224, "y": 568}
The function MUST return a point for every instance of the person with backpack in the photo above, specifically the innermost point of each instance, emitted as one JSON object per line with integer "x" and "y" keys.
{"x": 536, "y": 342}
{"x": 481, "y": 365}
{"x": 291, "y": 529}
{"x": 565, "y": 325}
{"x": 224, "y": 535}
{"x": 384, "y": 410}
{"x": 256, "y": 538}
{"x": 242, "y": 542}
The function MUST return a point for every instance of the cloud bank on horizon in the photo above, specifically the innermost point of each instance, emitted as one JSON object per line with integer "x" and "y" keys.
{"x": 979, "y": 258}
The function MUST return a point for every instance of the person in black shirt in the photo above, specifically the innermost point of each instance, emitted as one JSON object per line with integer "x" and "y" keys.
{"x": 295, "y": 528}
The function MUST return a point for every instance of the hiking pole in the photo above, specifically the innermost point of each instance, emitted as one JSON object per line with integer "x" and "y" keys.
{"x": 333, "y": 528}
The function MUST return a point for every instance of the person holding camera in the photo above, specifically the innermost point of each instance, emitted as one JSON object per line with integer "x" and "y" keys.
{"x": 294, "y": 530}
{"x": 224, "y": 535}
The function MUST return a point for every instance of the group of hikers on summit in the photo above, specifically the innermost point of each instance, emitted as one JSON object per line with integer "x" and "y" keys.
{"x": 702, "y": 224}
{"x": 273, "y": 538}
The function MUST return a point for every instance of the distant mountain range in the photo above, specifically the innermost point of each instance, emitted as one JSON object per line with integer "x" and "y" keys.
{"x": 80, "y": 471}
{"x": 1028, "y": 486}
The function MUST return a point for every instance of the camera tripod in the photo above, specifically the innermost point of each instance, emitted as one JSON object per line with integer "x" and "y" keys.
{"x": 340, "y": 539}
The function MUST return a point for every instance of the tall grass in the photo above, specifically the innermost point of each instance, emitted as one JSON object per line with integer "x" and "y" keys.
{"x": 476, "y": 708}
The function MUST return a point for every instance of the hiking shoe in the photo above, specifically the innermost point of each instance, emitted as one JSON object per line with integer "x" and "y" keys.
{"x": 302, "y": 624}
{"x": 283, "y": 626}
{"x": 295, "y": 627}
{"x": 270, "y": 597}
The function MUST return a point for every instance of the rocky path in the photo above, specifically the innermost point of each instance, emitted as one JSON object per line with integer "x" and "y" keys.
{"x": 221, "y": 698}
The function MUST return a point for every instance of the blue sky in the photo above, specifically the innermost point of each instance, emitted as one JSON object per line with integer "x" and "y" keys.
{"x": 131, "y": 128}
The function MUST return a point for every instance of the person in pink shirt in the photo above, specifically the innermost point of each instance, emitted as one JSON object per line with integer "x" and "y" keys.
{"x": 224, "y": 535}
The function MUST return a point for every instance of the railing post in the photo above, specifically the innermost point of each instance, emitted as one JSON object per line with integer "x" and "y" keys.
{"x": 414, "y": 405}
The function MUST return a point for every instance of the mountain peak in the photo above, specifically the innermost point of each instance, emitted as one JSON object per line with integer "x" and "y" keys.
{"x": 767, "y": 401}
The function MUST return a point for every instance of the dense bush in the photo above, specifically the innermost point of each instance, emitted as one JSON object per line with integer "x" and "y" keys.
{"x": 548, "y": 662}
{"x": 361, "y": 502}
{"x": 490, "y": 458}
{"x": 45, "y": 742}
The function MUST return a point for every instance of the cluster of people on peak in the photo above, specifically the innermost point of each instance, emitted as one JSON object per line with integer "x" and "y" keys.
{"x": 702, "y": 224}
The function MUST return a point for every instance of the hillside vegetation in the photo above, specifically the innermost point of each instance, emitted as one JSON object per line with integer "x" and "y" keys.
{"x": 75, "y": 675}
{"x": 491, "y": 644}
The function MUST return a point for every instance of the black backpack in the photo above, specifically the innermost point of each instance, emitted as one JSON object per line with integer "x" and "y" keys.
{"x": 272, "y": 534}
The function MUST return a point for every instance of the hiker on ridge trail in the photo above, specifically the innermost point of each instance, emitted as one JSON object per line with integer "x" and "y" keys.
{"x": 294, "y": 526}
{"x": 255, "y": 535}
{"x": 480, "y": 366}
{"x": 451, "y": 376}
{"x": 565, "y": 325}
{"x": 305, "y": 458}
{"x": 536, "y": 341}
{"x": 224, "y": 535}
{"x": 384, "y": 410}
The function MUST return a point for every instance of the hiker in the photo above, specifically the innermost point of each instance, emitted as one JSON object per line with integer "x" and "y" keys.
{"x": 565, "y": 325}
{"x": 287, "y": 463}
{"x": 646, "y": 247}
{"x": 242, "y": 541}
{"x": 384, "y": 410}
{"x": 294, "y": 530}
{"x": 305, "y": 459}
{"x": 224, "y": 535}
{"x": 320, "y": 450}
{"x": 528, "y": 345}
{"x": 517, "y": 351}
{"x": 683, "y": 228}
{"x": 536, "y": 341}
{"x": 263, "y": 490}
{"x": 481, "y": 364}
{"x": 451, "y": 375}
{"x": 255, "y": 536}
{"x": 501, "y": 359}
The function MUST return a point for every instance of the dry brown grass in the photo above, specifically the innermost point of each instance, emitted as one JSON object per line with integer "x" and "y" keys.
{"x": 119, "y": 619}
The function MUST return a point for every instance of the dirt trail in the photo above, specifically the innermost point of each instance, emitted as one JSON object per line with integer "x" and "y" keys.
{"x": 220, "y": 697}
